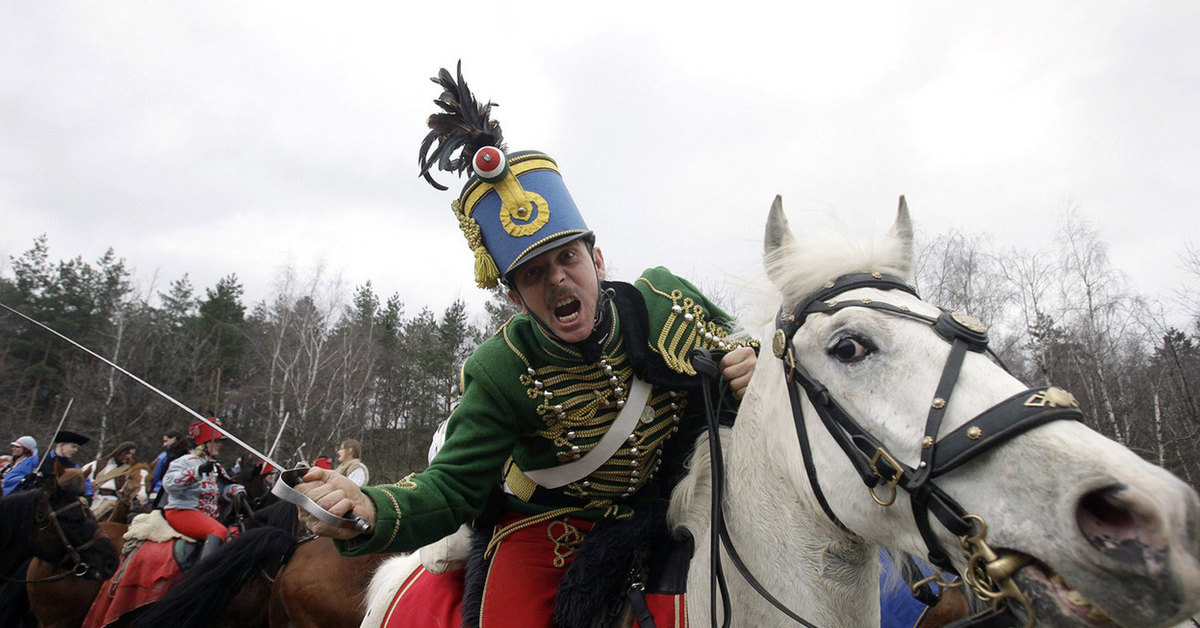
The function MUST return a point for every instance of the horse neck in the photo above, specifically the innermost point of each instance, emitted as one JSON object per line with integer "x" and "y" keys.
{"x": 827, "y": 576}
{"x": 119, "y": 512}
{"x": 16, "y": 529}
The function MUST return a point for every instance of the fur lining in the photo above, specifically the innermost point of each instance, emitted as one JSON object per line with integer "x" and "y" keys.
{"x": 592, "y": 591}
{"x": 152, "y": 526}
{"x": 476, "y": 577}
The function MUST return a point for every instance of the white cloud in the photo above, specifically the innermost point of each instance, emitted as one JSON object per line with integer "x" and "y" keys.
{"x": 244, "y": 138}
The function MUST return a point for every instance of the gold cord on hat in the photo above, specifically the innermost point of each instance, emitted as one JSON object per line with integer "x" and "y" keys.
{"x": 487, "y": 275}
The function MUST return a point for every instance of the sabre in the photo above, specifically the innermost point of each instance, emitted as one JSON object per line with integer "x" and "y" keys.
{"x": 282, "y": 489}
{"x": 282, "y": 425}
{"x": 50, "y": 443}
{"x": 143, "y": 382}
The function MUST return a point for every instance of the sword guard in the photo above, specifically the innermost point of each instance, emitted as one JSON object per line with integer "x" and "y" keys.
{"x": 285, "y": 489}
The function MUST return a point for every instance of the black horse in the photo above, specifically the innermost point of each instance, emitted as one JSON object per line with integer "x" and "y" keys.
{"x": 50, "y": 522}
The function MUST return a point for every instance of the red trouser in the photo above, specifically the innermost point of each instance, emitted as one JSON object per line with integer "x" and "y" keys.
{"x": 194, "y": 523}
{"x": 522, "y": 579}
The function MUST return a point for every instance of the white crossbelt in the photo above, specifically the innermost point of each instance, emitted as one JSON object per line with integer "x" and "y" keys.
{"x": 562, "y": 475}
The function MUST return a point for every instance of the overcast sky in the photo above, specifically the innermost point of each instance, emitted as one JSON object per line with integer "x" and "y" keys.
{"x": 233, "y": 137}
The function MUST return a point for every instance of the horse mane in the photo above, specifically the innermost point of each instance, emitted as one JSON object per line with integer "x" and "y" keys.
{"x": 205, "y": 590}
{"x": 16, "y": 520}
{"x": 799, "y": 267}
{"x": 689, "y": 510}
{"x": 280, "y": 515}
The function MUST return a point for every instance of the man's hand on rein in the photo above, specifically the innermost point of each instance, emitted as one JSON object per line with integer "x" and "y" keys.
{"x": 736, "y": 367}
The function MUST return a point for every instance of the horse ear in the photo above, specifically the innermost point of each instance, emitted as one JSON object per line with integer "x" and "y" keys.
{"x": 50, "y": 484}
{"x": 902, "y": 232}
{"x": 777, "y": 237}
{"x": 778, "y": 233}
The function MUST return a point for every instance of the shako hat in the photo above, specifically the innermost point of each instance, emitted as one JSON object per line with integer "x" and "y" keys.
{"x": 67, "y": 436}
{"x": 514, "y": 206}
{"x": 201, "y": 432}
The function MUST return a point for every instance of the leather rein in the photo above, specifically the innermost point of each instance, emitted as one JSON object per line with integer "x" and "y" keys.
{"x": 988, "y": 574}
{"x": 78, "y": 567}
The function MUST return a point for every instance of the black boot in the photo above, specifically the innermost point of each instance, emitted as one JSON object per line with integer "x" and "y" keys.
{"x": 211, "y": 545}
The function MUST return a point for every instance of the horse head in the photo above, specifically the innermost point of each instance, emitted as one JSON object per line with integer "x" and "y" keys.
{"x": 135, "y": 492}
{"x": 920, "y": 442}
{"x": 64, "y": 531}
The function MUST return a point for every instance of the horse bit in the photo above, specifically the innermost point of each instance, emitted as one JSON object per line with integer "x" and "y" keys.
{"x": 988, "y": 574}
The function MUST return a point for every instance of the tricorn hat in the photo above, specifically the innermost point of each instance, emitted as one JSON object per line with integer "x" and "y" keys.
{"x": 515, "y": 205}
{"x": 67, "y": 436}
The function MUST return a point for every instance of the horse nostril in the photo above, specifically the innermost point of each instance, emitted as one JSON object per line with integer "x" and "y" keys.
{"x": 1102, "y": 510}
{"x": 1121, "y": 523}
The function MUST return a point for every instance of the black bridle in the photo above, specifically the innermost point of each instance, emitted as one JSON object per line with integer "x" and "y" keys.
{"x": 988, "y": 574}
{"x": 72, "y": 557}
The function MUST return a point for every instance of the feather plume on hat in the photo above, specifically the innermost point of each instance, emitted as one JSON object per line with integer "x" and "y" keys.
{"x": 461, "y": 128}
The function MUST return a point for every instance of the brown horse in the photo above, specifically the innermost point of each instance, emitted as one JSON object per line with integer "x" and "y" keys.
{"x": 133, "y": 497}
{"x": 319, "y": 588}
{"x": 268, "y": 577}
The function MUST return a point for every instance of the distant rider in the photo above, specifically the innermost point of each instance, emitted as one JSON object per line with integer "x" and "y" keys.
{"x": 195, "y": 484}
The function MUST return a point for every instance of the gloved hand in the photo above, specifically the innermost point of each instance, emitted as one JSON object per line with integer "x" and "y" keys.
{"x": 207, "y": 467}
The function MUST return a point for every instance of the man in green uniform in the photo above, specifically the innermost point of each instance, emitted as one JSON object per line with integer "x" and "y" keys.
{"x": 572, "y": 406}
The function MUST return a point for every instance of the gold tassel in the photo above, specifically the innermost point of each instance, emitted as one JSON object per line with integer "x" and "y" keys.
{"x": 486, "y": 273}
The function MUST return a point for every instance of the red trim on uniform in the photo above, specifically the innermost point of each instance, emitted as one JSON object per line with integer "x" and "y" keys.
{"x": 668, "y": 610}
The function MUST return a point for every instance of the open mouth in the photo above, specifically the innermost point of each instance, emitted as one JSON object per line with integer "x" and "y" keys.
{"x": 566, "y": 310}
{"x": 1050, "y": 594}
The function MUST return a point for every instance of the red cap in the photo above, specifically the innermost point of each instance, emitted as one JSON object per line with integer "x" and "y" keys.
{"x": 323, "y": 462}
{"x": 201, "y": 432}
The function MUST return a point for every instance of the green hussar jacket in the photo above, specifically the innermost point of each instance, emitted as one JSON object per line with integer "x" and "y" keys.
{"x": 531, "y": 403}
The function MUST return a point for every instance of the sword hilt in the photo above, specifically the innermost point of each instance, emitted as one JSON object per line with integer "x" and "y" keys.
{"x": 285, "y": 489}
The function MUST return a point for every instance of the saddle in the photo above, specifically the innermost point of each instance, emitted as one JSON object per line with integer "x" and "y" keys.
{"x": 152, "y": 527}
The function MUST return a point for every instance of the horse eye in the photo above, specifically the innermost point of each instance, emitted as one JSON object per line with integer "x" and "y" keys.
{"x": 849, "y": 350}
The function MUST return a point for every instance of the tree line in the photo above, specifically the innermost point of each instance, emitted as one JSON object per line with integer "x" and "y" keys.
{"x": 299, "y": 371}
{"x": 310, "y": 365}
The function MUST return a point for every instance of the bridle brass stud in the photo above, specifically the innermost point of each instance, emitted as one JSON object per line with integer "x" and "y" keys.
{"x": 970, "y": 322}
{"x": 938, "y": 403}
{"x": 779, "y": 343}
{"x": 1060, "y": 398}
{"x": 927, "y": 442}
{"x": 974, "y": 433}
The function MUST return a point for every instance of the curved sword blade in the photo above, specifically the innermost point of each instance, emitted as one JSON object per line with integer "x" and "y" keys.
{"x": 150, "y": 386}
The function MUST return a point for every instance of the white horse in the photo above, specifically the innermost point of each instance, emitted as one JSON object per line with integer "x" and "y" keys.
{"x": 1089, "y": 533}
